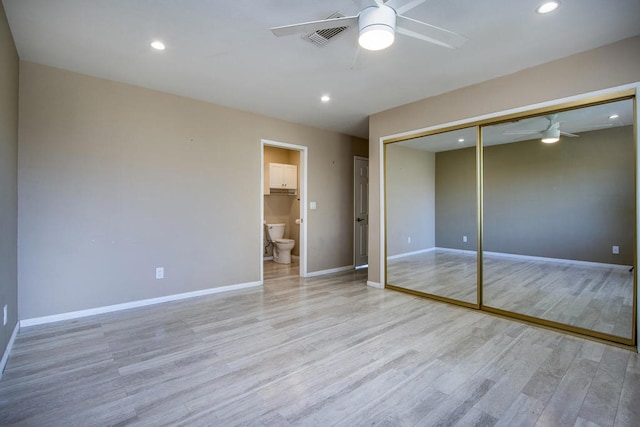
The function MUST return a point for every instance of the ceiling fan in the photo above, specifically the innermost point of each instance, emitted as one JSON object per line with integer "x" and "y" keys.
{"x": 549, "y": 135}
{"x": 377, "y": 22}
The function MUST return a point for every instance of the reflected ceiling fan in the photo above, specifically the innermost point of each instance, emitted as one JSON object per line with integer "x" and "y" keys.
{"x": 549, "y": 135}
{"x": 377, "y": 22}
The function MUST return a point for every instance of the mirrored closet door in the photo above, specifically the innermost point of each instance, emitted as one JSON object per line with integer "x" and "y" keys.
{"x": 532, "y": 216}
{"x": 431, "y": 215}
{"x": 559, "y": 217}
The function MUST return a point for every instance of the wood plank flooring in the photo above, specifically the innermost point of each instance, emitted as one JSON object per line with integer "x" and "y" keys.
{"x": 591, "y": 297}
{"x": 322, "y": 351}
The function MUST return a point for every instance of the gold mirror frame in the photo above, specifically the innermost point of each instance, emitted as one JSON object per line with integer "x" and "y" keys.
{"x": 479, "y": 305}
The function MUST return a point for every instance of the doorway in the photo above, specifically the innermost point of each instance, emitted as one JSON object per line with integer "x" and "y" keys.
{"x": 296, "y": 225}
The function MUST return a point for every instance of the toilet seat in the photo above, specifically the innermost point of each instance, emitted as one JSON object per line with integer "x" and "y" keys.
{"x": 282, "y": 250}
{"x": 284, "y": 240}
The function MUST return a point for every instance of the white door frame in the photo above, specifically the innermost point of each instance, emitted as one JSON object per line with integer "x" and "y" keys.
{"x": 302, "y": 193}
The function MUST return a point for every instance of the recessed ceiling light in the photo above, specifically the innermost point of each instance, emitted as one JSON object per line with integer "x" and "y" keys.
{"x": 461, "y": 140}
{"x": 614, "y": 116}
{"x": 325, "y": 98}
{"x": 158, "y": 45}
{"x": 547, "y": 7}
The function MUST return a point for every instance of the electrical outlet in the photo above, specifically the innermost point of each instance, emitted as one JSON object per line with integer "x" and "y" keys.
{"x": 615, "y": 250}
{"x": 5, "y": 315}
{"x": 160, "y": 273}
{"x": 408, "y": 239}
{"x": 464, "y": 239}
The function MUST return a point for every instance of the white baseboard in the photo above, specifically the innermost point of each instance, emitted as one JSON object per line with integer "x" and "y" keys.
{"x": 558, "y": 260}
{"x": 517, "y": 256}
{"x": 374, "y": 284}
{"x": 331, "y": 270}
{"x": 459, "y": 251}
{"x": 7, "y": 351}
{"x": 133, "y": 304}
{"x": 421, "y": 251}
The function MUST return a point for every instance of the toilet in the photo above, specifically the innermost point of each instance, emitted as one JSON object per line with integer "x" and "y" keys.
{"x": 281, "y": 246}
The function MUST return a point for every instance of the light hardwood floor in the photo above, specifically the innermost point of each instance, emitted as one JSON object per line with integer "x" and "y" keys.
{"x": 313, "y": 352}
{"x": 590, "y": 297}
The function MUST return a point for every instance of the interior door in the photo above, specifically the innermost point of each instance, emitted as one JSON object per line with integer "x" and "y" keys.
{"x": 361, "y": 211}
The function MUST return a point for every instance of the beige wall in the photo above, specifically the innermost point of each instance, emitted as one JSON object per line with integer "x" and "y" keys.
{"x": 411, "y": 194}
{"x": 8, "y": 181}
{"x": 115, "y": 180}
{"x": 570, "y": 200}
{"x": 456, "y": 199}
{"x": 359, "y": 147}
{"x": 597, "y": 69}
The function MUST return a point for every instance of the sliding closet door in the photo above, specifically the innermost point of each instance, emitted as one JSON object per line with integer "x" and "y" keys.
{"x": 431, "y": 216}
{"x": 559, "y": 219}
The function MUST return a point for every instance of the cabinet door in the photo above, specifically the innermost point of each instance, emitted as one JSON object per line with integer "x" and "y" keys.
{"x": 290, "y": 177}
{"x": 276, "y": 175}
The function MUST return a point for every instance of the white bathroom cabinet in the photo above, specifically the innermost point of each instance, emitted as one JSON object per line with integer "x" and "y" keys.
{"x": 283, "y": 177}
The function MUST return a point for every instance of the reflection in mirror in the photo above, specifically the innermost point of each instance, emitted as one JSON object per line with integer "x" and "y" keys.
{"x": 431, "y": 215}
{"x": 559, "y": 218}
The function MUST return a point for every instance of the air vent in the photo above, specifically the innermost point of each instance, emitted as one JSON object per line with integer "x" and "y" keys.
{"x": 322, "y": 37}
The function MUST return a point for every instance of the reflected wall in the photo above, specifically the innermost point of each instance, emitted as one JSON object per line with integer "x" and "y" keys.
{"x": 431, "y": 216}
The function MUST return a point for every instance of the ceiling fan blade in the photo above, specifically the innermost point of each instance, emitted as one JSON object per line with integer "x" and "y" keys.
{"x": 598, "y": 126}
{"x": 402, "y": 6}
{"x": 363, "y": 4}
{"x": 312, "y": 26}
{"x": 432, "y": 34}
{"x": 521, "y": 132}
{"x": 572, "y": 135}
{"x": 355, "y": 58}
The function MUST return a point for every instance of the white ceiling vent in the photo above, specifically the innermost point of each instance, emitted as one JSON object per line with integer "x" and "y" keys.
{"x": 322, "y": 37}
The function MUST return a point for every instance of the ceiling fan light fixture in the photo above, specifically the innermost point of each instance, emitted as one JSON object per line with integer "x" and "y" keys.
{"x": 377, "y": 27}
{"x": 551, "y": 135}
{"x": 376, "y": 37}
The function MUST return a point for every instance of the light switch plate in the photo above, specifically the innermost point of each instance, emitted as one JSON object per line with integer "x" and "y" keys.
{"x": 312, "y": 205}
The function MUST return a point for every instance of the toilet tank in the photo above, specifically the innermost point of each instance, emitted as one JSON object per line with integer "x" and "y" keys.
{"x": 276, "y": 231}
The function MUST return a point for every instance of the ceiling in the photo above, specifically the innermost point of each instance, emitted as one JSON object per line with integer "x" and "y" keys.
{"x": 223, "y": 52}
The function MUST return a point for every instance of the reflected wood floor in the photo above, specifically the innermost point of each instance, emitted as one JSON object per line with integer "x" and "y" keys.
{"x": 591, "y": 297}
{"x": 321, "y": 351}
{"x": 444, "y": 273}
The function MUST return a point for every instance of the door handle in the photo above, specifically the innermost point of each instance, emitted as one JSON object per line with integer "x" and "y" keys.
{"x": 360, "y": 219}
